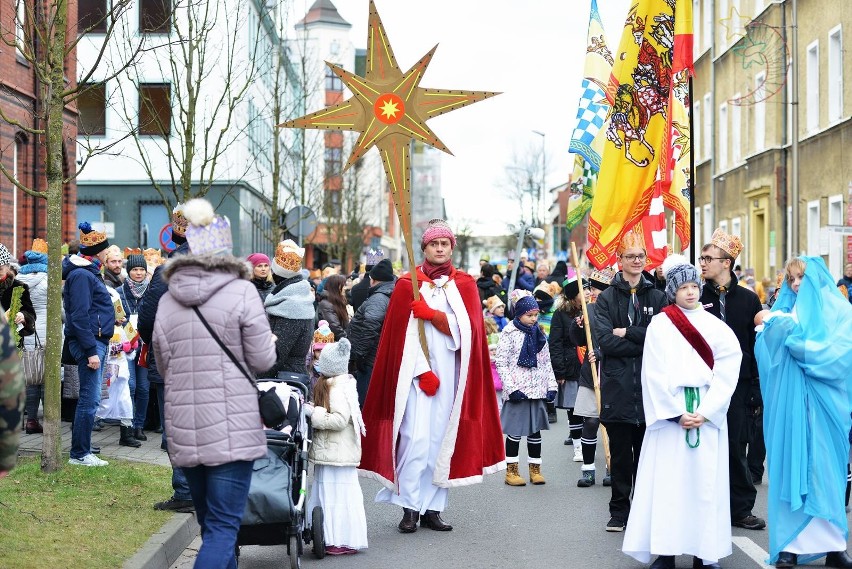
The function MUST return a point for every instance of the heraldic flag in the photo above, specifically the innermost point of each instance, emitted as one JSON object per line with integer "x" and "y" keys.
{"x": 593, "y": 107}
{"x": 638, "y": 91}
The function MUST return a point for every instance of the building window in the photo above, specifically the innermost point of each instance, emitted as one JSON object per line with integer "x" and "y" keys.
{"x": 723, "y": 136}
{"x": 708, "y": 125}
{"x": 332, "y": 81}
{"x": 813, "y": 228}
{"x": 260, "y": 137}
{"x": 812, "y": 120}
{"x": 155, "y": 109}
{"x": 332, "y": 203}
{"x": 696, "y": 135}
{"x": 760, "y": 112}
{"x": 707, "y": 21}
{"x": 835, "y": 74}
{"x": 736, "y": 227}
{"x": 333, "y": 162}
{"x": 723, "y": 225}
{"x": 91, "y": 16}
{"x": 20, "y": 29}
{"x": 736, "y": 132}
{"x": 696, "y": 39}
{"x": 708, "y": 222}
{"x": 91, "y": 106}
{"x": 724, "y": 12}
{"x": 789, "y": 93}
{"x": 155, "y": 16}
{"x": 788, "y": 228}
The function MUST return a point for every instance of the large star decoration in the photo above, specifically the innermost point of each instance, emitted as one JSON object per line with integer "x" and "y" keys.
{"x": 389, "y": 109}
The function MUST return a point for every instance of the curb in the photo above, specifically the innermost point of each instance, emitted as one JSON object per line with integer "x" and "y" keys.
{"x": 164, "y": 547}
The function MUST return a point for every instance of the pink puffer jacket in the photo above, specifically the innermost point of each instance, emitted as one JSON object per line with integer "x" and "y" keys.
{"x": 211, "y": 409}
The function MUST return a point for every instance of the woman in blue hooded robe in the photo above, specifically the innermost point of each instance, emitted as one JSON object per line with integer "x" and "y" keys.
{"x": 804, "y": 354}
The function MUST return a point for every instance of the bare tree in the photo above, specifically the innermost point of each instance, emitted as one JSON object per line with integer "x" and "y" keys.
{"x": 185, "y": 135}
{"x": 523, "y": 184}
{"x": 465, "y": 240}
{"x": 47, "y": 40}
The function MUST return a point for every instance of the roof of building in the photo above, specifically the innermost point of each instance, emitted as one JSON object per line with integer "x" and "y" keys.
{"x": 323, "y": 12}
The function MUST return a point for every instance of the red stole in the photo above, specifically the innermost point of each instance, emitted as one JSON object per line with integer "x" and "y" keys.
{"x": 691, "y": 333}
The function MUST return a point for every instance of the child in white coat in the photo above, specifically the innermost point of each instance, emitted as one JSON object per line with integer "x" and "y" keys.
{"x": 336, "y": 452}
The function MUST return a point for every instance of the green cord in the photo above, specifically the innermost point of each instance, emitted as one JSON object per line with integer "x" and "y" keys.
{"x": 693, "y": 400}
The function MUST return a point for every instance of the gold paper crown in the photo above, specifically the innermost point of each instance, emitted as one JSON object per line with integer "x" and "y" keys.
{"x": 288, "y": 255}
{"x": 730, "y": 244}
{"x": 134, "y": 251}
{"x": 179, "y": 222}
{"x": 631, "y": 239}
{"x": 603, "y": 276}
{"x": 320, "y": 338}
{"x": 153, "y": 257}
{"x": 39, "y": 245}
{"x": 92, "y": 238}
{"x": 492, "y": 302}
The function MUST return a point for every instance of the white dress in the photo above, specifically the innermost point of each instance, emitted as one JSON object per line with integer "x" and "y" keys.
{"x": 426, "y": 418}
{"x": 681, "y": 502}
{"x": 337, "y": 490}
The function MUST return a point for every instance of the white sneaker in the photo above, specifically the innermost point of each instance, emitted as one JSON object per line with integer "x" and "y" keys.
{"x": 578, "y": 454}
{"x": 88, "y": 460}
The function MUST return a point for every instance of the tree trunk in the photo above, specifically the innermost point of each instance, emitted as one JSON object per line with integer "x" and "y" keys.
{"x": 54, "y": 109}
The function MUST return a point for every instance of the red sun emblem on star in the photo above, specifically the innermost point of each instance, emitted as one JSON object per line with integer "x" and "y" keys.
{"x": 389, "y": 108}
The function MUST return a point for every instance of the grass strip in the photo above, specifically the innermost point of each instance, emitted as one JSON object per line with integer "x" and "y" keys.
{"x": 80, "y": 516}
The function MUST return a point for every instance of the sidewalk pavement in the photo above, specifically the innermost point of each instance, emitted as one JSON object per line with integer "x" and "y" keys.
{"x": 165, "y": 546}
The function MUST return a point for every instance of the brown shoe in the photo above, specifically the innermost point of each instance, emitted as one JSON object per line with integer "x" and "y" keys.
{"x": 513, "y": 477}
{"x": 409, "y": 521}
{"x": 535, "y": 474}
{"x": 33, "y": 427}
{"x": 432, "y": 520}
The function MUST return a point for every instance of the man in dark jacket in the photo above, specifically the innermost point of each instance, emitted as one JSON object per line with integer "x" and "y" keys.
{"x": 622, "y": 315}
{"x": 365, "y": 328}
{"x": 737, "y": 307}
{"x": 181, "y": 499}
{"x": 89, "y": 325}
{"x": 359, "y": 293}
{"x": 486, "y": 284}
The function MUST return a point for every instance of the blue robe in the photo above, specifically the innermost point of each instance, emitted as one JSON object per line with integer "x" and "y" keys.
{"x": 805, "y": 368}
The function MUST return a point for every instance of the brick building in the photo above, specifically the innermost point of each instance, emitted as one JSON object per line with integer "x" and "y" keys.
{"x": 23, "y": 217}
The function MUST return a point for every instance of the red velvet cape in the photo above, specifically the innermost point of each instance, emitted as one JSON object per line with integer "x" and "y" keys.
{"x": 478, "y": 446}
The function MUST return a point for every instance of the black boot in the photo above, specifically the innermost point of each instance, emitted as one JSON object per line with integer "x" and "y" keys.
{"x": 139, "y": 435}
{"x": 409, "y": 521}
{"x": 838, "y": 559}
{"x": 786, "y": 559}
{"x": 432, "y": 520}
{"x": 663, "y": 562}
{"x": 698, "y": 563}
{"x": 126, "y": 439}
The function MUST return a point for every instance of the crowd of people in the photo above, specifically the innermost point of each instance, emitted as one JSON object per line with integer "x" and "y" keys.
{"x": 693, "y": 378}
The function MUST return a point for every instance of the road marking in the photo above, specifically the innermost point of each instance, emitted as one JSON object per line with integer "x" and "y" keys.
{"x": 750, "y": 548}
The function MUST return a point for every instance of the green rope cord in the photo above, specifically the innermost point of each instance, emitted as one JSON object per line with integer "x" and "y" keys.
{"x": 693, "y": 400}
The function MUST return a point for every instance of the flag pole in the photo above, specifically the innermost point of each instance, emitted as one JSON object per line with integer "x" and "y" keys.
{"x": 692, "y": 175}
{"x": 590, "y": 348}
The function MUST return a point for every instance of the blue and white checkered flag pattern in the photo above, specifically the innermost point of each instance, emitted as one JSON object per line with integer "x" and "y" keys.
{"x": 590, "y": 120}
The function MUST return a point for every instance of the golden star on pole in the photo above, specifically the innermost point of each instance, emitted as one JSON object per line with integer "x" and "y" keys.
{"x": 389, "y": 109}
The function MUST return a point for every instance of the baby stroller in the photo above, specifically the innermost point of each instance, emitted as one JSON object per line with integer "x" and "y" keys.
{"x": 274, "y": 513}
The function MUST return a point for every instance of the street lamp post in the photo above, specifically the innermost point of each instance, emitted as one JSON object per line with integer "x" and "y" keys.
{"x": 542, "y": 193}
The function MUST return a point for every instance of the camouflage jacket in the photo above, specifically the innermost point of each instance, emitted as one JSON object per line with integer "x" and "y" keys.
{"x": 11, "y": 399}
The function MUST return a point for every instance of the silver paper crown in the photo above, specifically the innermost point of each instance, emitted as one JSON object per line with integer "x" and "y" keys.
{"x": 374, "y": 256}
{"x": 212, "y": 239}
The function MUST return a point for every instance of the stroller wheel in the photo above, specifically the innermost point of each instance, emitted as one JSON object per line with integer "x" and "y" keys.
{"x": 293, "y": 547}
{"x": 317, "y": 532}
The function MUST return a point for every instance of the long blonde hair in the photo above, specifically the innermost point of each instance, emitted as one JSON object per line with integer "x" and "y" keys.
{"x": 322, "y": 389}
{"x": 797, "y": 264}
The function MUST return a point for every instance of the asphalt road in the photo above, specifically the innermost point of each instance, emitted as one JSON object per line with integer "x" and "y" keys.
{"x": 498, "y": 526}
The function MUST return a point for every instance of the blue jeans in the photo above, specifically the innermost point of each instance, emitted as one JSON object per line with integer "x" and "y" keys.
{"x": 179, "y": 483}
{"x": 219, "y": 494}
{"x": 90, "y": 397}
{"x": 139, "y": 388}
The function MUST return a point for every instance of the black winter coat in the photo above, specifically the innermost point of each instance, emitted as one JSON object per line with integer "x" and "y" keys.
{"x": 563, "y": 348}
{"x": 487, "y": 288}
{"x": 26, "y": 308}
{"x": 578, "y": 336}
{"x": 741, "y": 306}
{"x": 359, "y": 293}
{"x": 621, "y": 373}
{"x": 325, "y": 311}
{"x": 365, "y": 329}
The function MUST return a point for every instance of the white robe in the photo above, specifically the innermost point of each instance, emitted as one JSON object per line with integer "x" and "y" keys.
{"x": 681, "y": 500}
{"x": 425, "y": 421}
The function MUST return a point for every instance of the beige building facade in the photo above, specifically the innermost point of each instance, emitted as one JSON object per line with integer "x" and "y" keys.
{"x": 743, "y": 129}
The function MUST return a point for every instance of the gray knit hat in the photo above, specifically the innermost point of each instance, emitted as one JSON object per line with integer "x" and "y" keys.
{"x": 678, "y": 271}
{"x": 334, "y": 358}
{"x": 136, "y": 262}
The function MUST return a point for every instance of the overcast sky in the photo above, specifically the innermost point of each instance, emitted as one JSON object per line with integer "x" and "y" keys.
{"x": 530, "y": 51}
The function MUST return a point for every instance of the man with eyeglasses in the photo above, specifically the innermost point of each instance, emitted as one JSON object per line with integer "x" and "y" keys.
{"x": 736, "y": 306}
{"x": 622, "y": 314}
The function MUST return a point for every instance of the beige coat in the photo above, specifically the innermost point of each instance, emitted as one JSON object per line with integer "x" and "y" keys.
{"x": 337, "y": 431}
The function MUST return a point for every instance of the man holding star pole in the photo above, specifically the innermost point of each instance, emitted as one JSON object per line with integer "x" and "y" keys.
{"x": 431, "y": 414}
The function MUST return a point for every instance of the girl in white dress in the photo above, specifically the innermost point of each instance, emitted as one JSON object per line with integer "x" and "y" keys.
{"x": 336, "y": 452}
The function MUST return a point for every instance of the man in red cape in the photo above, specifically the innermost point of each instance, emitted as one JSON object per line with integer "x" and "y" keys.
{"x": 431, "y": 424}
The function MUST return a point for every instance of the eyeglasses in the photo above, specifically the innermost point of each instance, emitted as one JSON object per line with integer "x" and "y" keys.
{"x": 632, "y": 258}
{"x": 707, "y": 259}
